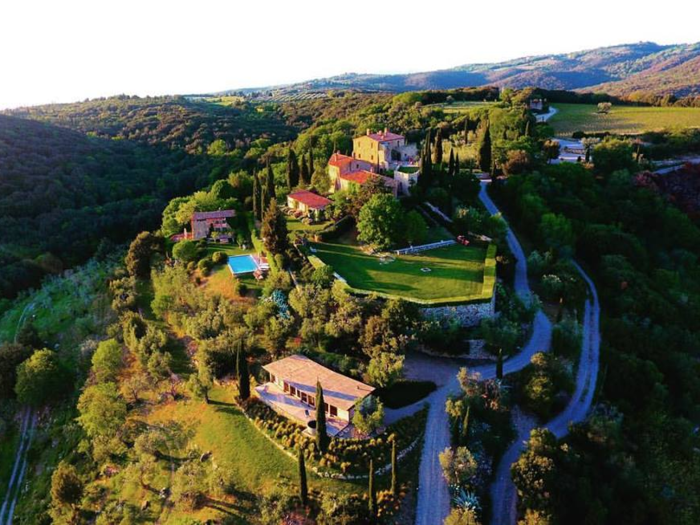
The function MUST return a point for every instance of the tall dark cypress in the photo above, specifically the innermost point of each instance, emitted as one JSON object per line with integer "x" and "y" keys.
{"x": 499, "y": 364}
{"x": 256, "y": 196}
{"x": 527, "y": 128}
{"x": 437, "y": 153}
{"x": 243, "y": 375}
{"x": 321, "y": 431}
{"x": 270, "y": 183}
{"x": 426, "y": 168}
{"x": 484, "y": 152}
{"x": 263, "y": 200}
{"x": 372, "y": 492}
{"x": 311, "y": 163}
{"x": 292, "y": 169}
{"x": 303, "y": 486}
{"x": 305, "y": 176}
{"x": 394, "y": 472}
{"x": 451, "y": 163}
{"x": 466, "y": 130}
{"x": 456, "y": 169}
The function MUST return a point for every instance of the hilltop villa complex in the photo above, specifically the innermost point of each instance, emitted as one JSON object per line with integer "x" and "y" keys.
{"x": 374, "y": 152}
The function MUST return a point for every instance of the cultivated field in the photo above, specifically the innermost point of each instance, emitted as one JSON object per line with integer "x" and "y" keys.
{"x": 456, "y": 272}
{"x": 621, "y": 119}
{"x": 462, "y": 107}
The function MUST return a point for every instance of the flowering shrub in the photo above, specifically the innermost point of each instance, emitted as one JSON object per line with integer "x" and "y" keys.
{"x": 347, "y": 456}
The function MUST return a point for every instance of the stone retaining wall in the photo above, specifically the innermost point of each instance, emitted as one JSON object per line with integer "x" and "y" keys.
{"x": 467, "y": 314}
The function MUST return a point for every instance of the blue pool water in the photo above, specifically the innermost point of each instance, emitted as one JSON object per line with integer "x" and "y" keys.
{"x": 242, "y": 264}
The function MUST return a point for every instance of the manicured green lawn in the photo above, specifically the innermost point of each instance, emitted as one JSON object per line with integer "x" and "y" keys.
{"x": 456, "y": 272}
{"x": 621, "y": 119}
{"x": 229, "y": 249}
{"x": 294, "y": 225}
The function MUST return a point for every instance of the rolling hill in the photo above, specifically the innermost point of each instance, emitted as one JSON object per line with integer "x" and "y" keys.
{"x": 619, "y": 70}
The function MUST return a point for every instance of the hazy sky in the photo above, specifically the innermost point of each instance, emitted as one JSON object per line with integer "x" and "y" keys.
{"x": 67, "y": 50}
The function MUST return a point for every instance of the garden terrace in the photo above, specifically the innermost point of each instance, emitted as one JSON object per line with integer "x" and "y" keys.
{"x": 457, "y": 274}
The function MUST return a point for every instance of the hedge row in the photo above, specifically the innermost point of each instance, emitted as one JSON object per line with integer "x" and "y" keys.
{"x": 347, "y": 456}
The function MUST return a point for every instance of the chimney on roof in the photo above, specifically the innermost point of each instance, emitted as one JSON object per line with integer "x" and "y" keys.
{"x": 367, "y": 131}
{"x": 386, "y": 130}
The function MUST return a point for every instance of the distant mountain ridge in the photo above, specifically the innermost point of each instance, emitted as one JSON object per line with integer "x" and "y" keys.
{"x": 618, "y": 70}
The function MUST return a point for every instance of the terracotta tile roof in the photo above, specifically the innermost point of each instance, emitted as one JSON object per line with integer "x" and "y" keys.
{"x": 338, "y": 160}
{"x": 311, "y": 199}
{"x": 302, "y": 373}
{"x": 362, "y": 176}
{"x": 382, "y": 136}
{"x": 204, "y": 215}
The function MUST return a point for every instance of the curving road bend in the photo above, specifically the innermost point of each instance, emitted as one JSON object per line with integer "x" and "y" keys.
{"x": 433, "y": 495}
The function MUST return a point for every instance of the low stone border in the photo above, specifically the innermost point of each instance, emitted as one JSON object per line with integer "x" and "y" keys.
{"x": 337, "y": 475}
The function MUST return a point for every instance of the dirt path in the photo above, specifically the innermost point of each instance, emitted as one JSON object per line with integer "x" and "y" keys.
{"x": 27, "y": 429}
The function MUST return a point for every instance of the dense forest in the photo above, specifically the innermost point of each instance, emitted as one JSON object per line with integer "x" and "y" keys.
{"x": 636, "y": 460}
{"x": 78, "y": 175}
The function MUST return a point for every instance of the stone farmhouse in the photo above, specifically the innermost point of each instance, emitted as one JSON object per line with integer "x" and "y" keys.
{"x": 374, "y": 152}
{"x": 384, "y": 150}
{"x": 307, "y": 201}
{"x": 203, "y": 222}
{"x": 291, "y": 391}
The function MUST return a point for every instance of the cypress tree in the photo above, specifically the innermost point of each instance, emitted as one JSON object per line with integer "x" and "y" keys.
{"x": 303, "y": 486}
{"x": 426, "y": 167}
{"x": 451, "y": 163}
{"x": 263, "y": 200}
{"x": 437, "y": 154}
{"x": 292, "y": 169}
{"x": 321, "y": 432}
{"x": 372, "y": 492}
{"x": 305, "y": 175}
{"x": 465, "y": 426}
{"x": 394, "y": 473}
{"x": 256, "y": 196}
{"x": 527, "y": 128}
{"x": 456, "y": 164}
{"x": 484, "y": 153}
{"x": 499, "y": 364}
{"x": 274, "y": 230}
{"x": 466, "y": 130}
{"x": 270, "y": 183}
{"x": 243, "y": 375}
{"x": 311, "y": 163}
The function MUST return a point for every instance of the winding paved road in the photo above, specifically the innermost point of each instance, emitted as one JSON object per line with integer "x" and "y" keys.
{"x": 503, "y": 491}
{"x": 433, "y": 495}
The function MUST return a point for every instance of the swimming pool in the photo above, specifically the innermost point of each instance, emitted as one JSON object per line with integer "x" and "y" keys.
{"x": 242, "y": 264}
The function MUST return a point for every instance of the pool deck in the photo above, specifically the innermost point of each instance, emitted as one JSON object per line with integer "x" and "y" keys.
{"x": 293, "y": 408}
{"x": 258, "y": 263}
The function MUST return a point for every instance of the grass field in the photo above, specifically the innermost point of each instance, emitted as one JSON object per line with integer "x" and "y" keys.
{"x": 456, "y": 272}
{"x": 294, "y": 226}
{"x": 461, "y": 107}
{"x": 621, "y": 119}
{"x": 251, "y": 461}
